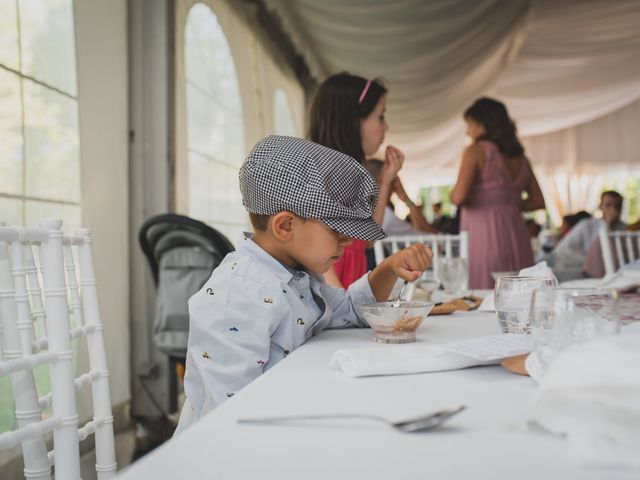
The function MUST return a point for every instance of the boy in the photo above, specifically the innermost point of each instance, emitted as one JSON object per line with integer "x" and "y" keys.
{"x": 306, "y": 202}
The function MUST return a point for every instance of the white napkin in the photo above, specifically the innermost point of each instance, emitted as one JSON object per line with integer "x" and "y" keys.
{"x": 591, "y": 394}
{"x": 540, "y": 269}
{"x": 416, "y": 358}
{"x": 620, "y": 280}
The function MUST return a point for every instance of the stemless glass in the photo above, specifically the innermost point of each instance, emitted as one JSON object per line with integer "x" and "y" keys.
{"x": 512, "y": 296}
{"x": 453, "y": 274}
{"x": 561, "y": 317}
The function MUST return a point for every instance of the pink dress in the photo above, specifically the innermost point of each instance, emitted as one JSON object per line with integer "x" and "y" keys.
{"x": 498, "y": 237}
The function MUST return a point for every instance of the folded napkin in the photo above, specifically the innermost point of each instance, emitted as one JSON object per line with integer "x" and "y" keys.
{"x": 540, "y": 269}
{"x": 591, "y": 394}
{"x": 417, "y": 358}
{"x": 621, "y": 280}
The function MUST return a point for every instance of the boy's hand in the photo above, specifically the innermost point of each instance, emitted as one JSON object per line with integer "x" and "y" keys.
{"x": 410, "y": 262}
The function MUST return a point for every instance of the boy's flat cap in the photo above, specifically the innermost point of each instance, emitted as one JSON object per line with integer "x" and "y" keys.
{"x": 292, "y": 174}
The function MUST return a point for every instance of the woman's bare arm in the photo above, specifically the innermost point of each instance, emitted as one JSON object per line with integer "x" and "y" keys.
{"x": 535, "y": 199}
{"x": 472, "y": 159}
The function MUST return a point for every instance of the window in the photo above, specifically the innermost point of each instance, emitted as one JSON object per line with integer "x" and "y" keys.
{"x": 282, "y": 116}
{"x": 39, "y": 136}
{"x": 215, "y": 127}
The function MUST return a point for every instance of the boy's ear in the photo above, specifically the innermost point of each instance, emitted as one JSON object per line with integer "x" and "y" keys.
{"x": 282, "y": 225}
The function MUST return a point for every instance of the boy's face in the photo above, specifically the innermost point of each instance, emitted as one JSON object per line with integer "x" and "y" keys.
{"x": 315, "y": 245}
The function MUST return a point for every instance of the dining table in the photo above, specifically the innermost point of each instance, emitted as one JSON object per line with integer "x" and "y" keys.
{"x": 493, "y": 438}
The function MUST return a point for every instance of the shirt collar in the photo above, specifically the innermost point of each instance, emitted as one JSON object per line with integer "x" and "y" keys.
{"x": 285, "y": 273}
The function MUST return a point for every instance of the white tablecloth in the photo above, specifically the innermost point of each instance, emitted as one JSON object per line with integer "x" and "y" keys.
{"x": 488, "y": 440}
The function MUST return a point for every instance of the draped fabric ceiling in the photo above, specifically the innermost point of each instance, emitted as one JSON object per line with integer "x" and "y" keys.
{"x": 569, "y": 72}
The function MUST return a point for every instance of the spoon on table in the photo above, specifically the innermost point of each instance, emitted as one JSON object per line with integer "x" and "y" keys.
{"x": 397, "y": 302}
{"x": 418, "y": 424}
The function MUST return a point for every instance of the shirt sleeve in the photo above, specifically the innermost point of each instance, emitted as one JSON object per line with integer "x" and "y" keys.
{"x": 576, "y": 240}
{"x": 343, "y": 302}
{"x": 392, "y": 225}
{"x": 231, "y": 323}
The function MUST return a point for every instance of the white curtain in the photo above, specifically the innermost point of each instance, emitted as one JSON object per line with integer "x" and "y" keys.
{"x": 569, "y": 70}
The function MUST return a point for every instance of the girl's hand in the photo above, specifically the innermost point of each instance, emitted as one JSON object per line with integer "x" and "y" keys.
{"x": 410, "y": 262}
{"x": 393, "y": 160}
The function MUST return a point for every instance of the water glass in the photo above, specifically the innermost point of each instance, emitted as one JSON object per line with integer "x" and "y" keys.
{"x": 427, "y": 284}
{"x": 512, "y": 296}
{"x": 561, "y": 317}
{"x": 453, "y": 273}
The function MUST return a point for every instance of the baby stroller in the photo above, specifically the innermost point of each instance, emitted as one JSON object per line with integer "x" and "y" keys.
{"x": 182, "y": 253}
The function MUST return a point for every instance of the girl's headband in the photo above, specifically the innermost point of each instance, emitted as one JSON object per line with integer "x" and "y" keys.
{"x": 364, "y": 91}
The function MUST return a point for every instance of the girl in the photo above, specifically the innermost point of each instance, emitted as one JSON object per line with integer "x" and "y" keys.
{"x": 347, "y": 114}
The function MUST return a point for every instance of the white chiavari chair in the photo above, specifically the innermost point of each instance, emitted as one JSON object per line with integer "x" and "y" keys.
{"x": 618, "y": 248}
{"x": 50, "y": 342}
{"x": 446, "y": 245}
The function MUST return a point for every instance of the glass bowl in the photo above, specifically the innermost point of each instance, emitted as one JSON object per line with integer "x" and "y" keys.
{"x": 392, "y": 324}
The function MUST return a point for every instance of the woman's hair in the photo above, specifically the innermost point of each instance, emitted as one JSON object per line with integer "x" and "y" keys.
{"x": 499, "y": 127}
{"x": 340, "y": 104}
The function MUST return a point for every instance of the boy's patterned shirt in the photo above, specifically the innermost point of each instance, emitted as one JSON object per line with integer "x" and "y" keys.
{"x": 250, "y": 314}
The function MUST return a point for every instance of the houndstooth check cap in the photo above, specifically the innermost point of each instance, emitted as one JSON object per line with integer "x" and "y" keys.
{"x": 292, "y": 174}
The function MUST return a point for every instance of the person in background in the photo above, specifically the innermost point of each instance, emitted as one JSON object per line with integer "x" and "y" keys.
{"x": 570, "y": 221}
{"x": 440, "y": 222}
{"x": 534, "y": 230}
{"x": 391, "y": 224}
{"x": 348, "y": 115}
{"x": 575, "y": 244}
{"x": 493, "y": 175}
{"x": 580, "y": 248}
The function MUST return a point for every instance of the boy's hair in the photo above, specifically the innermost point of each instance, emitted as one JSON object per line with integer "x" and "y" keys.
{"x": 259, "y": 222}
{"x": 336, "y": 112}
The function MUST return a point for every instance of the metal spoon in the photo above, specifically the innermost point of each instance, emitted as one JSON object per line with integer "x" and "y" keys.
{"x": 419, "y": 424}
{"x": 397, "y": 302}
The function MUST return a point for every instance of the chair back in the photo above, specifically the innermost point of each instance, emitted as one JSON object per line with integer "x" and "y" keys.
{"x": 446, "y": 245}
{"x": 618, "y": 248}
{"x": 36, "y": 331}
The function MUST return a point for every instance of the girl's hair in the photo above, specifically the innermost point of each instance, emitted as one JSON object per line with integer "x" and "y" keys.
{"x": 499, "y": 127}
{"x": 337, "y": 110}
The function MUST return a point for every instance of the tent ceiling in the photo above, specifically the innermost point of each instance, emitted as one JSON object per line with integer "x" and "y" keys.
{"x": 557, "y": 64}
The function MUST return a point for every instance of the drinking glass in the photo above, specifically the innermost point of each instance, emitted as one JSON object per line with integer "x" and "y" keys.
{"x": 453, "y": 273}
{"x": 512, "y": 296}
{"x": 427, "y": 284}
{"x": 561, "y": 317}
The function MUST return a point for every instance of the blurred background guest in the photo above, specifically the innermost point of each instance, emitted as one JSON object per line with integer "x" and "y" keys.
{"x": 391, "y": 223}
{"x": 492, "y": 177}
{"x": 570, "y": 221}
{"x": 575, "y": 254}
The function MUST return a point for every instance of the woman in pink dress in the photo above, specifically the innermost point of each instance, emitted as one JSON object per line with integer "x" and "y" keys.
{"x": 489, "y": 190}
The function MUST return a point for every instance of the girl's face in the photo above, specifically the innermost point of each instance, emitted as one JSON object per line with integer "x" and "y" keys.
{"x": 373, "y": 128}
{"x": 474, "y": 129}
